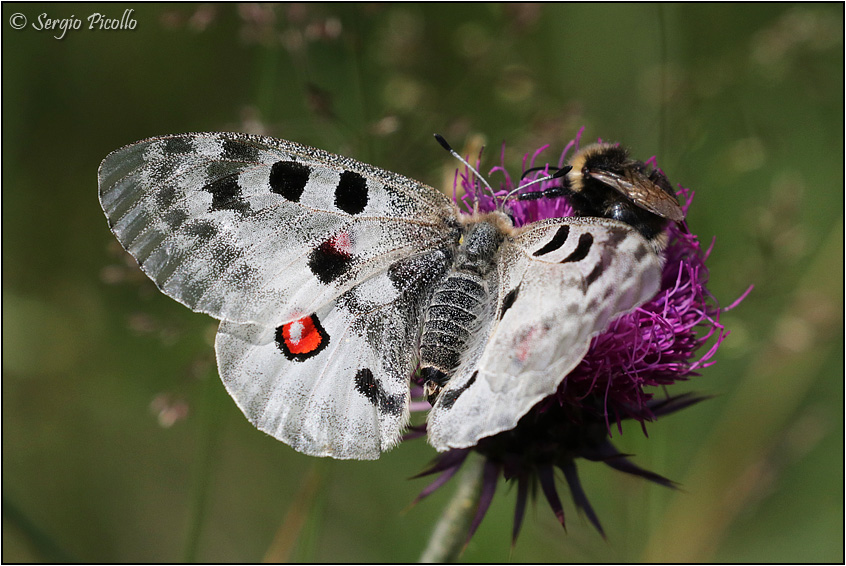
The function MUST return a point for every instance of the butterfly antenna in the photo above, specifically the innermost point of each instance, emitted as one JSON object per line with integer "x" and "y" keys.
{"x": 557, "y": 175}
{"x": 478, "y": 175}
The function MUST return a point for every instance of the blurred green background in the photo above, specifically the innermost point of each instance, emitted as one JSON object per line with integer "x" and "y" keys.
{"x": 119, "y": 442}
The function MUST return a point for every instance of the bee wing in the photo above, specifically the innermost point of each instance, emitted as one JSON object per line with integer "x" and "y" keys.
{"x": 642, "y": 191}
{"x": 560, "y": 282}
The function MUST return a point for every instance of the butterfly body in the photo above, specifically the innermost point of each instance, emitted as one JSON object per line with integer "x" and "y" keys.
{"x": 460, "y": 302}
{"x": 337, "y": 283}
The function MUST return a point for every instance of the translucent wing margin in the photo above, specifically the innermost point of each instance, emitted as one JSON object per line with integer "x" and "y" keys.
{"x": 561, "y": 282}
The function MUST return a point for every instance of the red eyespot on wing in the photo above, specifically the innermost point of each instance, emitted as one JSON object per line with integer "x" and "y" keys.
{"x": 301, "y": 339}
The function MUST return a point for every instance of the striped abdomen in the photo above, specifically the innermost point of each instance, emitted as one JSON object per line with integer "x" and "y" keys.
{"x": 452, "y": 317}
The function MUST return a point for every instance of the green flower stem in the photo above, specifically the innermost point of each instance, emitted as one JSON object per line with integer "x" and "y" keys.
{"x": 447, "y": 540}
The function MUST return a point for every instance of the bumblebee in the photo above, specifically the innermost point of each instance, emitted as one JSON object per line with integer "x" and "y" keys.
{"x": 603, "y": 181}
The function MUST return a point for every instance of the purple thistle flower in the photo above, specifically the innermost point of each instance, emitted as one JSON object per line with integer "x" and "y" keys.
{"x": 654, "y": 345}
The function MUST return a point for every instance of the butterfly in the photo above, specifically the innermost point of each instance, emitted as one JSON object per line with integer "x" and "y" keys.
{"x": 337, "y": 283}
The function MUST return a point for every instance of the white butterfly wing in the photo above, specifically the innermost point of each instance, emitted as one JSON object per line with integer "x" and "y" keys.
{"x": 254, "y": 229}
{"x": 561, "y": 282}
{"x": 350, "y": 400}
{"x": 318, "y": 266}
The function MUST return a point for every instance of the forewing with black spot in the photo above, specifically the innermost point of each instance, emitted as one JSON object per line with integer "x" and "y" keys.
{"x": 561, "y": 282}
{"x": 256, "y": 230}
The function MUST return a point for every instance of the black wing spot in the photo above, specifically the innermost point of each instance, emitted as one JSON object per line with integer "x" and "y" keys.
{"x": 595, "y": 273}
{"x": 448, "y": 398}
{"x": 174, "y": 218}
{"x": 239, "y": 151}
{"x": 557, "y": 241}
{"x": 367, "y": 384}
{"x": 288, "y": 179}
{"x": 205, "y": 230}
{"x": 508, "y": 301}
{"x": 179, "y": 145}
{"x": 328, "y": 261}
{"x": 351, "y": 193}
{"x": 226, "y": 195}
{"x": 581, "y": 251}
{"x": 165, "y": 197}
{"x": 617, "y": 236}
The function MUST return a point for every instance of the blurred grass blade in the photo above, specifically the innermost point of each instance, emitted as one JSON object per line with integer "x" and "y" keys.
{"x": 288, "y": 533}
{"x": 208, "y": 424}
{"x": 42, "y": 543}
{"x": 697, "y": 522}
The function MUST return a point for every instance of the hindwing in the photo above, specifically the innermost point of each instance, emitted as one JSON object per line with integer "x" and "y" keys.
{"x": 334, "y": 382}
{"x": 561, "y": 282}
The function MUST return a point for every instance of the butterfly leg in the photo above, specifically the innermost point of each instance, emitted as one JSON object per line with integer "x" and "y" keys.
{"x": 434, "y": 380}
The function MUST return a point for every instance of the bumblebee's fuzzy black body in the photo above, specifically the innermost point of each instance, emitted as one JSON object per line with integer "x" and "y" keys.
{"x": 605, "y": 182}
